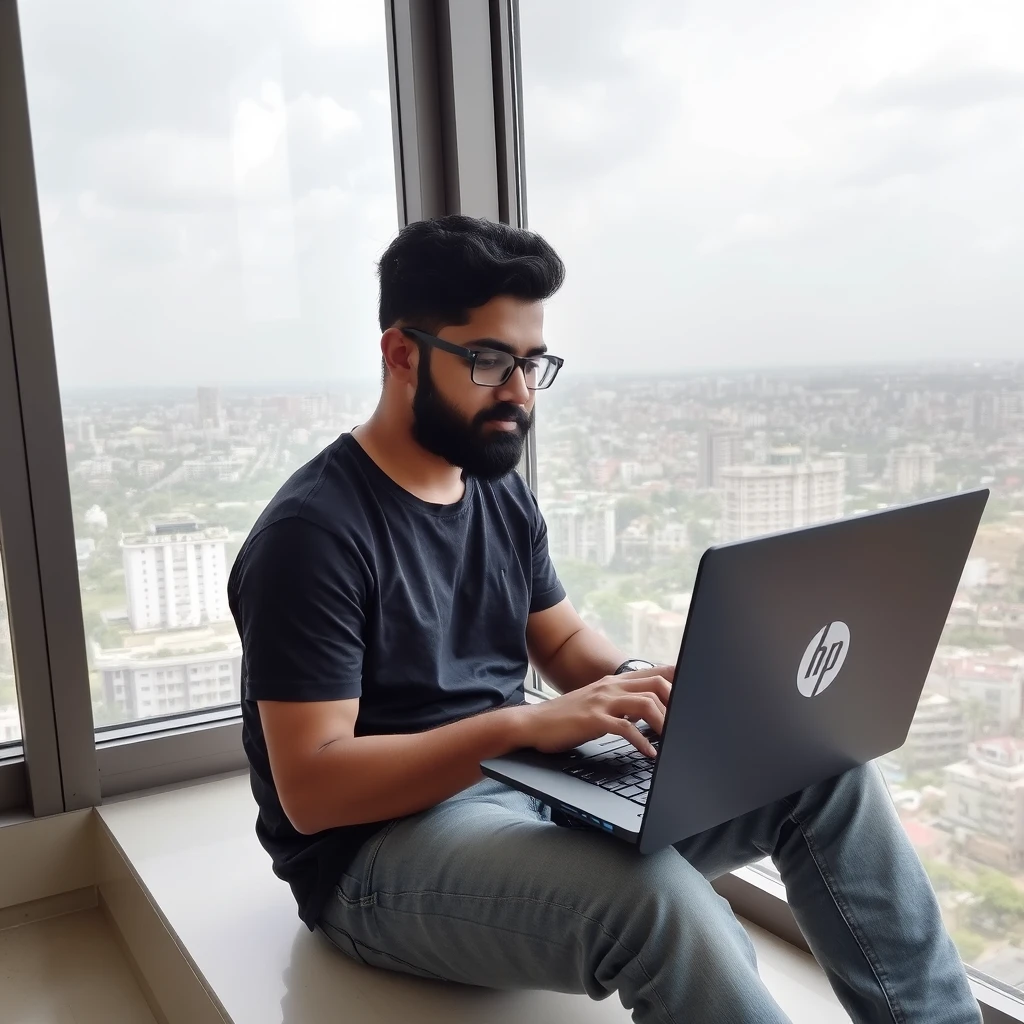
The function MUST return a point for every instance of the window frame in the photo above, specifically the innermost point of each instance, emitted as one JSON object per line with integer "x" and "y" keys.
{"x": 452, "y": 102}
{"x": 752, "y": 892}
{"x": 457, "y": 129}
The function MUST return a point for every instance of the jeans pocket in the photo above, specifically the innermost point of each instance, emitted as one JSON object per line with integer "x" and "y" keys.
{"x": 356, "y": 886}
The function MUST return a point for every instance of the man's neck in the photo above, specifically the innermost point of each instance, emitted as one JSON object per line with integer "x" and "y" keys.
{"x": 392, "y": 447}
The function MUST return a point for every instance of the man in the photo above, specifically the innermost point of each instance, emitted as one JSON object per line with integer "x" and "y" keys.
{"x": 389, "y": 600}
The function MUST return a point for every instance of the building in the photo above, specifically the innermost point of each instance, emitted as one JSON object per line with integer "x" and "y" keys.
{"x": 938, "y": 735}
{"x": 717, "y": 449}
{"x": 164, "y": 677}
{"x": 985, "y": 795}
{"x": 656, "y": 631}
{"x": 582, "y": 531}
{"x": 210, "y": 413}
{"x": 10, "y": 724}
{"x": 989, "y": 687}
{"x": 911, "y": 468}
{"x": 214, "y": 468}
{"x": 175, "y": 574}
{"x": 784, "y": 494}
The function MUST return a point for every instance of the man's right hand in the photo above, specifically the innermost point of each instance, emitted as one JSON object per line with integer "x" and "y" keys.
{"x": 610, "y": 705}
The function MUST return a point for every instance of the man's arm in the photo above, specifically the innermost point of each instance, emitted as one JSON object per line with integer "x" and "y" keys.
{"x": 327, "y": 777}
{"x": 566, "y": 651}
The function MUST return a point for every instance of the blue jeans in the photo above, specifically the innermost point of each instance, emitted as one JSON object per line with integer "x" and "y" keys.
{"x": 486, "y": 890}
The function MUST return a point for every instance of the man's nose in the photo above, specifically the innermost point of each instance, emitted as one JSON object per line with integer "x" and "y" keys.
{"x": 514, "y": 390}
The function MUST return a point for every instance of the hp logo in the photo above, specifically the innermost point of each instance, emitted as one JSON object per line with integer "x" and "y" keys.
{"x": 823, "y": 659}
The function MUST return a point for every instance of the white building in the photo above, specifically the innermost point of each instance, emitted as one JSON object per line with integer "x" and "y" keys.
{"x": 938, "y": 735}
{"x": 656, "y": 631}
{"x": 989, "y": 687}
{"x": 141, "y": 684}
{"x": 781, "y": 495}
{"x": 211, "y": 467}
{"x": 581, "y": 531}
{"x": 176, "y": 574}
{"x": 717, "y": 450}
{"x": 985, "y": 793}
{"x": 10, "y": 724}
{"x": 911, "y": 468}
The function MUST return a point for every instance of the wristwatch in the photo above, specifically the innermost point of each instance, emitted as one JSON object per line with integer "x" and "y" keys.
{"x": 633, "y": 665}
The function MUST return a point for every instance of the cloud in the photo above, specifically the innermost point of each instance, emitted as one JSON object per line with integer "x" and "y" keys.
{"x": 941, "y": 89}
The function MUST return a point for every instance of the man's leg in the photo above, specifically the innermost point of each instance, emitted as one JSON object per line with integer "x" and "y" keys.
{"x": 483, "y": 889}
{"x": 859, "y": 894}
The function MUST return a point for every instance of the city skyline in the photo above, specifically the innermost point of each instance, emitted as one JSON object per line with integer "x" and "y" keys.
{"x": 637, "y": 475}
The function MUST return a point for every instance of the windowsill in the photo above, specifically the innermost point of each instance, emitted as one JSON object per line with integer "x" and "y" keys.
{"x": 192, "y": 850}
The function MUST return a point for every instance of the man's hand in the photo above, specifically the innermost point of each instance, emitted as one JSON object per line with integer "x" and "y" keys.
{"x": 612, "y": 704}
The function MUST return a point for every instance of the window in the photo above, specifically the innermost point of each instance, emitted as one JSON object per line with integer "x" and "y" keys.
{"x": 792, "y": 234}
{"x": 10, "y": 719}
{"x": 215, "y": 189}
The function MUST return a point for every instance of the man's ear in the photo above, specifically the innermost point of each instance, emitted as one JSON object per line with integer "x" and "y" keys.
{"x": 401, "y": 355}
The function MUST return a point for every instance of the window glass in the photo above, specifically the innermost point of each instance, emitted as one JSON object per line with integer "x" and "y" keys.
{"x": 216, "y": 182}
{"x": 794, "y": 249}
{"x": 10, "y": 720}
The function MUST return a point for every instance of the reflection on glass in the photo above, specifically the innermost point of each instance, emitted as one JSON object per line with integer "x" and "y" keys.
{"x": 793, "y": 293}
{"x": 214, "y": 190}
{"x": 10, "y": 721}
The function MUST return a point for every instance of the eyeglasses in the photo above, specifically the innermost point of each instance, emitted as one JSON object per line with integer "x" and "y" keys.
{"x": 490, "y": 368}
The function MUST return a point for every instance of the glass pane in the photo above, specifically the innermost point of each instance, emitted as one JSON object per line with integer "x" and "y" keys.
{"x": 215, "y": 185}
{"x": 794, "y": 257}
{"x": 10, "y": 720}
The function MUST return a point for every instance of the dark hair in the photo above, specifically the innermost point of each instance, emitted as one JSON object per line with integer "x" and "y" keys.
{"x": 436, "y": 271}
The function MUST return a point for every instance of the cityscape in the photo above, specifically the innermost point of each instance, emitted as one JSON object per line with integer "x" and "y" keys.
{"x": 637, "y": 476}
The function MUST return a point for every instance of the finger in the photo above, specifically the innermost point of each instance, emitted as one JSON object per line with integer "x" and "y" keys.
{"x": 631, "y": 733}
{"x": 656, "y": 684}
{"x": 641, "y": 705}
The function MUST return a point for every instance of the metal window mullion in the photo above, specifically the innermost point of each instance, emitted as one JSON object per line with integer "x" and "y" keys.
{"x": 415, "y": 118}
{"x": 31, "y": 343}
{"x": 21, "y": 572}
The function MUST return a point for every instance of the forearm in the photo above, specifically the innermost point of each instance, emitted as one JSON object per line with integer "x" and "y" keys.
{"x": 376, "y": 778}
{"x": 585, "y": 657}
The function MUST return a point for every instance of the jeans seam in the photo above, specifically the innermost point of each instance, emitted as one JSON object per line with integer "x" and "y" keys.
{"x": 529, "y": 900}
{"x": 844, "y": 911}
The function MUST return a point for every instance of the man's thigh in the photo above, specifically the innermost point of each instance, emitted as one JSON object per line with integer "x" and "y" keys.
{"x": 484, "y": 889}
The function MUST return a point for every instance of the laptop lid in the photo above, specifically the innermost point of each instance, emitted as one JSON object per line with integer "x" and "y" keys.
{"x": 804, "y": 655}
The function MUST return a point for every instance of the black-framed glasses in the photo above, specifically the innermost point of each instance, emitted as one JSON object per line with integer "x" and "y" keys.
{"x": 490, "y": 367}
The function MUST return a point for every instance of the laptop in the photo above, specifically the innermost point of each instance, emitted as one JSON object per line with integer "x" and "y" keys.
{"x": 804, "y": 655}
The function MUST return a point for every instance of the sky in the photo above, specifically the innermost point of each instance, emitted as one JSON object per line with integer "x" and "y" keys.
{"x": 732, "y": 184}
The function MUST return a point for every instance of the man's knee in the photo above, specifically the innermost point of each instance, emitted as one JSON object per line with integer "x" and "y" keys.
{"x": 663, "y": 899}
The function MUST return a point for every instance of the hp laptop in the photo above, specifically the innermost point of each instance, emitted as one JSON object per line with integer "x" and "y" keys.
{"x": 804, "y": 655}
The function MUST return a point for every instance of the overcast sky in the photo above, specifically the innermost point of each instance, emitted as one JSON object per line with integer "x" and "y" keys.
{"x": 731, "y": 183}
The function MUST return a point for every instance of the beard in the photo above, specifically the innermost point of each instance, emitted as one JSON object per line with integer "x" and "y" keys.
{"x": 442, "y": 430}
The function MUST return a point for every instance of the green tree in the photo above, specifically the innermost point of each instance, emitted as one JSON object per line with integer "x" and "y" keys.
{"x": 969, "y": 944}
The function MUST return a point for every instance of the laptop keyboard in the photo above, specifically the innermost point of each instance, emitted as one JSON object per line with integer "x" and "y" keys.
{"x": 623, "y": 771}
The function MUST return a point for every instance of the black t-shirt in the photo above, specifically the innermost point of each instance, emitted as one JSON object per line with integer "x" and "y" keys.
{"x": 349, "y": 586}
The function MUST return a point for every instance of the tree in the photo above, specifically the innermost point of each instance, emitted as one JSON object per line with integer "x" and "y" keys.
{"x": 580, "y": 579}
{"x": 969, "y": 944}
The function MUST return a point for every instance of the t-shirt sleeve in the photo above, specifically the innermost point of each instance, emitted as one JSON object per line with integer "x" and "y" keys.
{"x": 547, "y": 591}
{"x": 299, "y": 605}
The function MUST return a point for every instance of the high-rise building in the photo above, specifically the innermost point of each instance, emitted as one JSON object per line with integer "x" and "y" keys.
{"x": 657, "y": 631}
{"x": 911, "y": 467}
{"x": 175, "y": 574}
{"x": 582, "y": 531}
{"x": 782, "y": 495}
{"x": 718, "y": 448}
{"x": 938, "y": 734}
{"x": 985, "y": 794}
{"x": 210, "y": 412}
{"x": 144, "y": 683}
